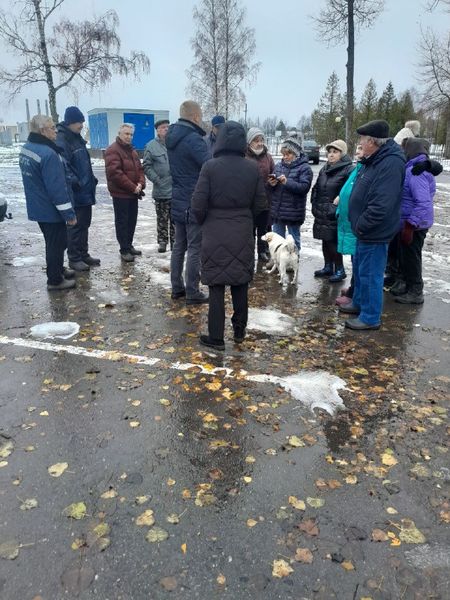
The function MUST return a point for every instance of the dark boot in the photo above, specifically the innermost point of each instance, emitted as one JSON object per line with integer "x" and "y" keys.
{"x": 91, "y": 261}
{"x": 205, "y": 340}
{"x": 127, "y": 257}
{"x": 410, "y": 297}
{"x": 79, "y": 265}
{"x": 340, "y": 275}
{"x": 162, "y": 247}
{"x": 398, "y": 288}
{"x": 239, "y": 334}
{"x": 326, "y": 271}
{"x": 135, "y": 252}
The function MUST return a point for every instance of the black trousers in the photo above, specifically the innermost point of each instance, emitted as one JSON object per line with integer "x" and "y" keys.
{"x": 331, "y": 255}
{"x": 55, "y": 235}
{"x": 77, "y": 235}
{"x": 393, "y": 259}
{"x": 216, "y": 314}
{"x": 410, "y": 262}
{"x": 125, "y": 213}
{"x": 261, "y": 227}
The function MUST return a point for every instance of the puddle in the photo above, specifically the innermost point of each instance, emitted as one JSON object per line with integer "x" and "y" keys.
{"x": 51, "y": 330}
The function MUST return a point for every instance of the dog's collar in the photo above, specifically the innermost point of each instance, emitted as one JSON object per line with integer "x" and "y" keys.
{"x": 279, "y": 246}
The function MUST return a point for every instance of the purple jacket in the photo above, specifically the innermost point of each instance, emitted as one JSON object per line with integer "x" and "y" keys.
{"x": 417, "y": 197}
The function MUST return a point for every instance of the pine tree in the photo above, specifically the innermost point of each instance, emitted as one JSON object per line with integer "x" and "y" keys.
{"x": 387, "y": 103}
{"x": 368, "y": 107}
{"x": 327, "y": 120}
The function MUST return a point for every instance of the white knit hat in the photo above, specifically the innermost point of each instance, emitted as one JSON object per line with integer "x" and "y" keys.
{"x": 252, "y": 133}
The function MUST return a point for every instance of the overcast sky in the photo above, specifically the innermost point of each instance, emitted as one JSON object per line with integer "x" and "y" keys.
{"x": 295, "y": 66}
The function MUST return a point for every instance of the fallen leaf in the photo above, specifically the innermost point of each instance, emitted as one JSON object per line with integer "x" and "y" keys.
{"x": 165, "y": 402}
{"x": 184, "y": 548}
{"x": 281, "y": 568}
{"x": 28, "y": 504}
{"x": 309, "y": 527}
{"x": 146, "y": 518}
{"x": 378, "y": 535}
{"x": 77, "y": 510}
{"x": 247, "y": 479}
{"x": 141, "y": 500}
{"x": 296, "y": 503}
{"x": 315, "y": 502}
{"x": 221, "y": 579}
{"x": 44, "y": 413}
{"x": 304, "y": 555}
{"x": 409, "y": 533}
{"x": 57, "y": 469}
{"x": 3, "y": 463}
{"x": 204, "y": 498}
{"x": 169, "y": 583}
{"x": 171, "y": 482}
{"x": 6, "y": 449}
{"x": 156, "y": 534}
{"x": 295, "y": 441}
{"x": 250, "y": 459}
{"x": 351, "y": 479}
{"x": 388, "y": 458}
{"x": 135, "y": 423}
{"x": 391, "y": 510}
{"x": 251, "y": 522}
{"x": 109, "y": 494}
{"x": 347, "y": 565}
{"x": 101, "y": 530}
{"x": 173, "y": 518}
{"x": 216, "y": 474}
{"x": 9, "y": 550}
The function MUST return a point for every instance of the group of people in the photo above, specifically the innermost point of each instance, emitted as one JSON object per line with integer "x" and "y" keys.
{"x": 215, "y": 194}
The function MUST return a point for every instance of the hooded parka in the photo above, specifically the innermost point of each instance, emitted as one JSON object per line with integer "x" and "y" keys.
{"x": 229, "y": 193}
{"x": 328, "y": 185}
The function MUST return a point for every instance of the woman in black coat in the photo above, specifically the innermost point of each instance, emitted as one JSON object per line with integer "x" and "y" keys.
{"x": 331, "y": 178}
{"x": 229, "y": 193}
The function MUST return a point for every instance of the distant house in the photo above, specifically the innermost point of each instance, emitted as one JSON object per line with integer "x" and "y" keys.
{"x": 104, "y": 124}
{"x": 7, "y": 134}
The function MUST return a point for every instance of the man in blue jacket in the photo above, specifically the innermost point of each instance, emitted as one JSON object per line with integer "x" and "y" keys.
{"x": 48, "y": 196}
{"x": 75, "y": 152}
{"x": 187, "y": 152}
{"x": 374, "y": 213}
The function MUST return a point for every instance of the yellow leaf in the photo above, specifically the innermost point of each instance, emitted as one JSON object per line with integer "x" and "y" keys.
{"x": 210, "y": 418}
{"x": 3, "y": 463}
{"x": 281, "y": 568}
{"x": 109, "y": 494}
{"x": 388, "y": 459}
{"x": 347, "y": 565}
{"x": 102, "y": 529}
{"x": 221, "y": 579}
{"x": 351, "y": 479}
{"x": 251, "y": 522}
{"x": 213, "y": 386}
{"x": 183, "y": 548}
{"x": 409, "y": 533}
{"x": 395, "y": 542}
{"x": 135, "y": 402}
{"x": 391, "y": 511}
{"x": 247, "y": 479}
{"x": 315, "y": 502}
{"x": 296, "y": 503}
{"x": 77, "y": 544}
{"x": 250, "y": 459}
{"x": 165, "y": 402}
{"x": 141, "y": 500}
{"x": 156, "y": 534}
{"x": 171, "y": 482}
{"x": 186, "y": 494}
{"x": 57, "y": 469}
{"x": 304, "y": 555}
{"x": 218, "y": 444}
{"x": 6, "y": 449}
{"x": 44, "y": 413}
{"x": 146, "y": 518}
{"x": 77, "y": 511}
{"x": 134, "y": 424}
{"x": 169, "y": 350}
{"x": 295, "y": 441}
{"x": 134, "y": 344}
{"x": 173, "y": 518}
{"x": 359, "y": 370}
{"x": 65, "y": 386}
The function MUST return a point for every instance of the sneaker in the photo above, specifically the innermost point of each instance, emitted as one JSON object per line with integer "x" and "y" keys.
{"x": 358, "y": 325}
{"x": 200, "y": 299}
{"x": 135, "y": 252}
{"x": 340, "y": 275}
{"x": 162, "y": 248}
{"x": 127, "y": 257}
{"x": 350, "y": 309}
{"x": 79, "y": 265}
{"x": 66, "y": 284}
{"x": 343, "y": 301}
{"x": 178, "y": 295}
{"x": 68, "y": 273}
{"x": 410, "y": 298}
{"x": 91, "y": 261}
{"x": 205, "y": 340}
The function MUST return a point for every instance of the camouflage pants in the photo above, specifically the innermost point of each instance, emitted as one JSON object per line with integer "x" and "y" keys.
{"x": 164, "y": 222}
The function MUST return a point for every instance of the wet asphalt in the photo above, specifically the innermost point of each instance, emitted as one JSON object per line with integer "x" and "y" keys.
{"x": 212, "y": 455}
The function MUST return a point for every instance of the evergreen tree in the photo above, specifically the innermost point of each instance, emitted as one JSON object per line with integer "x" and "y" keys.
{"x": 368, "y": 107}
{"x": 387, "y": 104}
{"x": 327, "y": 120}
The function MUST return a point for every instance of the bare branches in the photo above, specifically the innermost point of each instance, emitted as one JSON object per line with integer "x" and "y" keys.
{"x": 332, "y": 22}
{"x": 88, "y": 51}
{"x": 223, "y": 50}
{"x": 435, "y": 69}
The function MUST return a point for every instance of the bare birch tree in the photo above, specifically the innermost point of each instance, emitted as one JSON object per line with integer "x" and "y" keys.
{"x": 224, "y": 48}
{"x": 339, "y": 22}
{"x": 87, "y": 52}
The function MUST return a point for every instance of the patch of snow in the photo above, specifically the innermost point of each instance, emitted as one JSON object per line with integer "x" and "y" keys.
{"x": 313, "y": 389}
{"x": 269, "y": 321}
{"x": 162, "y": 279}
{"x": 427, "y": 556}
{"x": 51, "y": 330}
{"x": 26, "y": 261}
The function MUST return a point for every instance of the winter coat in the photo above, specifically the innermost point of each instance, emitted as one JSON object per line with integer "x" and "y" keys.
{"x": 346, "y": 238}
{"x": 123, "y": 170}
{"x": 187, "y": 152}
{"x": 328, "y": 185}
{"x": 289, "y": 199}
{"x": 266, "y": 166}
{"x": 77, "y": 156}
{"x": 417, "y": 197}
{"x": 210, "y": 140}
{"x": 45, "y": 180}
{"x": 229, "y": 193}
{"x": 374, "y": 206}
{"x": 157, "y": 169}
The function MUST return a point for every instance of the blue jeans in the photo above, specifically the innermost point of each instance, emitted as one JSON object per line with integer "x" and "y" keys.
{"x": 280, "y": 228}
{"x": 369, "y": 262}
{"x": 188, "y": 238}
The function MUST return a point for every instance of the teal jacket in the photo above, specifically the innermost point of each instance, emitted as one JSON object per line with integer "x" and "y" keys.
{"x": 346, "y": 237}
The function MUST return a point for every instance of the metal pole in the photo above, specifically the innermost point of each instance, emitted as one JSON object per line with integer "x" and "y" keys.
{"x": 27, "y": 108}
{"x": 245, "y": 117}
{"x": 46, "y": 108}
{"x": 38, "y": 102}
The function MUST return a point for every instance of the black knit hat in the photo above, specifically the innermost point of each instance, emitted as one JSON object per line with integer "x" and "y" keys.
{"x": 161, "y": 122}
{"x": 376, "y": 129}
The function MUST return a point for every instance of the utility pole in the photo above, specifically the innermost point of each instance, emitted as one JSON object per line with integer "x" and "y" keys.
{"x": 245, "y": 116}
{"x": 27, "y": 108}
{"x": 38, "y": 102}
{"x": 46, "y": 108}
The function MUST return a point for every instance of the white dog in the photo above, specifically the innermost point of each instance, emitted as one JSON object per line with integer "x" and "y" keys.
{"x": 284, "y": 254}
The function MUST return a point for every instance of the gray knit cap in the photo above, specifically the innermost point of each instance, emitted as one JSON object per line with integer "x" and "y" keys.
{"x": 293, "y": 145}
{"x": 252, "y": 133}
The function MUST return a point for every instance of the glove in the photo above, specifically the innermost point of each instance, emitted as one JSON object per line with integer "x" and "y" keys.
{"x": 420, "y": 167}
{"x": 407, "y": 233}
